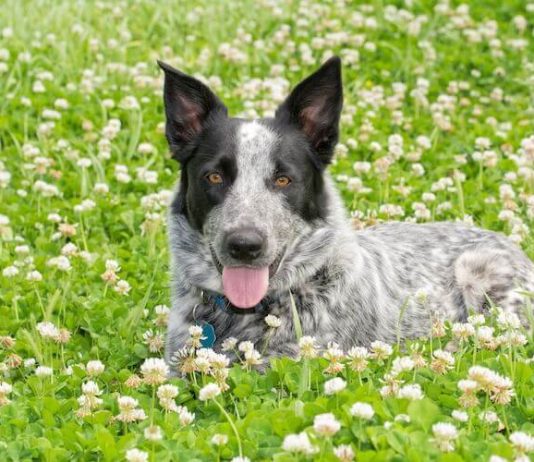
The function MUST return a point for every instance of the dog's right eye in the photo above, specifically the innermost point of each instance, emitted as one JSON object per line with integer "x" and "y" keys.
{"x": 214, "y": 178}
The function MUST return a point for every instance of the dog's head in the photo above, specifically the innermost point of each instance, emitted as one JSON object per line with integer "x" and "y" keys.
{"x": 252, "y": 188}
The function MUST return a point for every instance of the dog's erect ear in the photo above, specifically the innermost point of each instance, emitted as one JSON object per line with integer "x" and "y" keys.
{"x": 314, "y": 106}
{"x": 189, "y": 105}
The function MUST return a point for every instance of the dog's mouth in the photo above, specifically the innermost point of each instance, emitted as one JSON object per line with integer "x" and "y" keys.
{"x": 245, "y": 286}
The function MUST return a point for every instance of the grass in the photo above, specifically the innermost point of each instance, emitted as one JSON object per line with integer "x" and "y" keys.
{"x": 439, "y": 117}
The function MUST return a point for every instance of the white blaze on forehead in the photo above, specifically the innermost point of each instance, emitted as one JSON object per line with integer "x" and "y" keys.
{"x": 249, "y": 196}
{"x": 254, "y": 145}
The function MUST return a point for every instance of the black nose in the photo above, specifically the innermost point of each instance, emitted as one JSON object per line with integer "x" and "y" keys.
{"x": 245, "y": 244}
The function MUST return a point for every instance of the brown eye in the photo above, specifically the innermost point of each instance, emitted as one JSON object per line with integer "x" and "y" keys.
{"x": 214, "y": 178}
{"x": 282, "y": 181}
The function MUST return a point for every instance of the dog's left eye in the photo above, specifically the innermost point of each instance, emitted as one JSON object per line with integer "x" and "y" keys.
{"x": 282, "y": 181}
{"x": 214, "y": 178}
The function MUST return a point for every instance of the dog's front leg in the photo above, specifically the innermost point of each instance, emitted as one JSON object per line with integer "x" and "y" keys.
{"x": 279, "y": 342}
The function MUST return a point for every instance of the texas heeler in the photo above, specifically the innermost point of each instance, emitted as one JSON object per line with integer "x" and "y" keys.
{"x": 256, "y": 221}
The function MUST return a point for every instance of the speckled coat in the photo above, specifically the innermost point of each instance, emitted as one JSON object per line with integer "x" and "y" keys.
{"x": 351, "y": 287}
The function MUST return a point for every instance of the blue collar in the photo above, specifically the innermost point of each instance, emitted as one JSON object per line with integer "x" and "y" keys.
{"x": 219, "y": 302}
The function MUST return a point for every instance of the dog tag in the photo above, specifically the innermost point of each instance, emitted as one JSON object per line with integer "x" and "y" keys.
{"x": 208, "y": 335}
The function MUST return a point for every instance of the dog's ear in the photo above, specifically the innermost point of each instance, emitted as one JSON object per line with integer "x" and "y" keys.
{"x": 314, "y": 106}
{"x": 189, "y": 105}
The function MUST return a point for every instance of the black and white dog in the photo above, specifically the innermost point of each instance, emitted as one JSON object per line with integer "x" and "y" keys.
{"x": 256, "y": 217}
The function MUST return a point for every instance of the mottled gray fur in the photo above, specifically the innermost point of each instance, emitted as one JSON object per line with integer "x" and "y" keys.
{"x": 350, "y": 286}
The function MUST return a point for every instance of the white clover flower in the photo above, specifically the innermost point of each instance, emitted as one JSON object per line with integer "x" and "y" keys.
{"x": 5, "y": 176}
{"x": 162, "y": 315}
{"x": 412, "y": 392}
{"x": 22, "y": 249}
{"x": 68, "y": 370}
{"x": 202, "y": 364}
{"x": 209, "y": 391}
{"x": 91, "y": 388}
{"x": 185, "y": 416}
{"x": 62, "y": 263}
{"x": 5, "y": 389}
{"x": 334, "y": 386}
{"x": 522, "y": 442}
{"x": 47, "y": 330}
{"x": 299, "y": 444}
{"x": 54, "y": 218}
{"x": 10, "y": 271}
{"x": 113, "y": 265}
{"x": 468, "y": 386}
{"x": 362, "y": 410}
{"x": 402, "y": 364}
{"x": 246, "y": 346}
{"x": 240, "y": 459}
{"x": 69, "y": 249}
{"x": 219, "y": 439}
{"x": 167, "y": 391}
{"x": 147, "y": 176}
{"x": 229, "y": 344}
{"x": 95, "y": 367}
{"x": 85, "y": 206}
{"x": 308, "y": 347}
{"x": 358, "y": 358}
{"x": 460, "y": 416}
{"x": 344, "y": 453}
{"x": 153, "y": 433}
{"x": 326, "y": 424}
{"x": 495, "y": 458}
{"x": 195, "y": 331}
{"x": 146, "y": 148}
{"x": 43, "y": 371}
{"x": 154, "y": 371}
{"x": 489, "y": 417}
{"x": 333, "y": 352}
{"x": 463, "y": 330}
{"x": 154, "y": 341}
{"x": 381, "y": 350}
{"x": 136, "y": 455}
{"x": 273, "y": 321}
{"x": 512, "y": 338}
{"x": 127, "y": 403}
{"x": 128, "y": 410}
{"x": 122, "y": 287}
{"x": 218, "y": 361}
{"x": 84, "y": 162}
{"x": 485, "y": 334}
{"x": 101, "y": 188}
{"x": 483, "y": 376}
{"x": 252, "y": 358}
{"x": 476, "y": 319}
{"x": 444, "y": 435}
{"x": 129, "y": 102}
{"x": 61, "y": 103}
{"x": 508, "y": 320}
{"x": 442, "y": 361}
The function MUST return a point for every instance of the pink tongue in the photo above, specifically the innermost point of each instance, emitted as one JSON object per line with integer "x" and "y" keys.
{"x": 245, "y": 287}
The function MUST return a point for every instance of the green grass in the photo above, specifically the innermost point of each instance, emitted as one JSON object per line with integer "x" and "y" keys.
{"x": 477, "y": 69}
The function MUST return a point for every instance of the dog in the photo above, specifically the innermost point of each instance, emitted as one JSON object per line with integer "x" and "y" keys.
{"x": 256, "y": 227}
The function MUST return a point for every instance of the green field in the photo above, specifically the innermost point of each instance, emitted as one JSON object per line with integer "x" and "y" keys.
{"x": 438, "y": 124}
